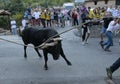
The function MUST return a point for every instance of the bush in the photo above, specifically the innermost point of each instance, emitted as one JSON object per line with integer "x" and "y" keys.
{"x": 18, "y": 17}
{"x": 4, "y": 22}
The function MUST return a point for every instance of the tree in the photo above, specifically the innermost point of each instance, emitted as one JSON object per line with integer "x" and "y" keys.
{"x": 16, "y": 6}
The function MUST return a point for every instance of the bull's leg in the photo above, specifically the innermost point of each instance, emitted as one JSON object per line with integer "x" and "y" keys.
{"x": 36, "y": 49}
{"x": 46, "y": 59}
{"x": 63, "y": 55}
{"x": 25, "y": 54}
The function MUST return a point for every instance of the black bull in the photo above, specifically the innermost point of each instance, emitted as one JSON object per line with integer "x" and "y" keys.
{"x": 36, "y": 37}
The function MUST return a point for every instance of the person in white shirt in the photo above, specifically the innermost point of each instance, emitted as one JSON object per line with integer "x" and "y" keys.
{"x": 24, "y": 22}
{"x": 113, "y": 26}
{"x": 115, "y": 12}
{"x": 36, "y": 15}
{"x": 13, "y": 27}
{"x": 110, "y": 9}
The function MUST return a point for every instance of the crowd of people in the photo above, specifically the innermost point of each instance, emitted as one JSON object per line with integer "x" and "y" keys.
{"x": 109, "y": 17}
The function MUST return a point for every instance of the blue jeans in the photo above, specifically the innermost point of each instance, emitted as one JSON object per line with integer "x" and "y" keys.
{"x": 109, "y": 42}
{"x": 14, "y": 31}
{"x": 103, "y": 30}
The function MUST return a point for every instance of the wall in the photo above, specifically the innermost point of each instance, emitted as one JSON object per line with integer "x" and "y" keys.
{"x": 99, "y": 3}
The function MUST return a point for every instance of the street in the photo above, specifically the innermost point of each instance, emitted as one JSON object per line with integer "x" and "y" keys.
{"x": 89, "y": 62}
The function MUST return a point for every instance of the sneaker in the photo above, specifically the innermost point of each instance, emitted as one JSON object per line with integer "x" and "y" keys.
{"x": 86, "y": 42}
{"x": 101, "y": 42}
{"x": 109, "y": 73}
{"x": 102, "y": 46}
{"x": 83, "y": 43}
{"x": 107, "y": 50}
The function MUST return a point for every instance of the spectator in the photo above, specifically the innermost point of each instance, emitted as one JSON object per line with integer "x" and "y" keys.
{"x": 85, "y": 33}
{"x": 36, "y": 15}
{"x": 75, "y": 17}
{"x": 43, "y": 18}
{"x": 91, "y": 13}
{"x": 115, "y": 12}
{"x": 48, "y": 22}
{"x": 110, "y": 9}
{"x": 13, "y": 26}
{"x": 113, "y": 26}
{"x": 106, "y": 20}
{"x": 24, "y": 22}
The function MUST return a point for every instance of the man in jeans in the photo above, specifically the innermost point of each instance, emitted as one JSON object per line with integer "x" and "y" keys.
{"x": 13, "y": 26}
{"x": 106, "y": 20}
{"x": 113, "y": 26}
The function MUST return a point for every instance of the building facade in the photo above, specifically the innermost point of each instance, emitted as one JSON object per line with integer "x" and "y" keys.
{"x": 100, "y": 3}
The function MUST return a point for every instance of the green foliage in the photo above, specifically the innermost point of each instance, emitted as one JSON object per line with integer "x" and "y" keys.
{"x": 15, "y": 6}
{"x": 19, "y": 5}
{"x": 4, "y": 22}
{"x": 18, "y": 17}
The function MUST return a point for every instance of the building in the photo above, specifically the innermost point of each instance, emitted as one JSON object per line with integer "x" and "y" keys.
{"x": 100, "y": 3}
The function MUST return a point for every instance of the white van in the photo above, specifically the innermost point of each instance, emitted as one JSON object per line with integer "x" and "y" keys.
{"x": 68, "y": 5}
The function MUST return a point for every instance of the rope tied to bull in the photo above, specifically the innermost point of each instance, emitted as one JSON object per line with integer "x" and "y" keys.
{"x": 42, "y": 46}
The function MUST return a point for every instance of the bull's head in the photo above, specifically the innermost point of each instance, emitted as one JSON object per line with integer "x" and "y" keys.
{"x": 55, "y": 50}
{"x": 53, "y": 47}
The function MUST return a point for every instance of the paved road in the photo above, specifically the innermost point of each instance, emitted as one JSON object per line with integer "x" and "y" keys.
{"x": 88, "y": 63}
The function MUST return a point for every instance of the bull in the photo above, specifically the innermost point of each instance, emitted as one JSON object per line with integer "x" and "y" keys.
{"x": 37, "y": 37}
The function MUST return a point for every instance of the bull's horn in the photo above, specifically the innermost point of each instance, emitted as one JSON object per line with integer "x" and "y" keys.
{"x": 42, "y": 44}
{"x": 49, "y": 44}
{"x": 57, "y": 39}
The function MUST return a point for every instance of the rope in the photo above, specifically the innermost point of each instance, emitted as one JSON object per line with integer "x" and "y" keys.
{"x": 14, "y": 42}
{"x": 43, "y": 44}
{"x": 74, "y": 27}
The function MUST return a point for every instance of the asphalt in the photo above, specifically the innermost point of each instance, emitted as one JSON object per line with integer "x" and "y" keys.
{"x": 88, "y": 62}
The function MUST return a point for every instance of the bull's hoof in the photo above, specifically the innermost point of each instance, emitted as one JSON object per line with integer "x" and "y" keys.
{"x": 25, "y": 57}
{"x": 46, "y": 68}
{"x": 69, "y": 63}
{"x": 40, "y": 56}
